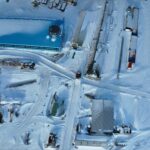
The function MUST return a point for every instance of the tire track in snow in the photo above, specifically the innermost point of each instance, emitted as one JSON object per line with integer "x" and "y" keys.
{"x": 56, "y": 67}
{"x": 116, "y": 88}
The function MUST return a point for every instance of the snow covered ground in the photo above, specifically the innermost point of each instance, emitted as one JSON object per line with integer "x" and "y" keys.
{"x": 56, "y": 102}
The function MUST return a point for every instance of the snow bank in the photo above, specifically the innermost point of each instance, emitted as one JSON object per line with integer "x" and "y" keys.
{"x": 140, "y": 142}
{"x": 89, "y": 148}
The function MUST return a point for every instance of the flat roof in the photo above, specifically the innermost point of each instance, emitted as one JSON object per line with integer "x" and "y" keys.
{"x": 102, "y": 115}
{"x": 29, "y": 33}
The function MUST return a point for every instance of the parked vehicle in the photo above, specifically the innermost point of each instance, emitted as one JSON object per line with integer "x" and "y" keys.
{"x": 73, "y": 2}
{"x": 123, "y": 129}
{"x": 78, "y": 75}
{"x": 28, "y": 64}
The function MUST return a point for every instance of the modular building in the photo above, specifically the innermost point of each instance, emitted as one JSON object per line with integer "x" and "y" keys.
{"x": 102, "y": 116}
{"x": 135, "y": 21}
{"x": 131, "y": 21}
{"x": 132, "y": 51}
{"x": 133, "y": 43}
{"x": 43, "y": 34}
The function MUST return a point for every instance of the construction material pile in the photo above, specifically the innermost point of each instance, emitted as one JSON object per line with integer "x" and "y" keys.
{"x": 58, "y": 4}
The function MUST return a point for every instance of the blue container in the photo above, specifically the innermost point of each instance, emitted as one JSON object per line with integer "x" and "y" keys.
{"x": 31, "y": 33}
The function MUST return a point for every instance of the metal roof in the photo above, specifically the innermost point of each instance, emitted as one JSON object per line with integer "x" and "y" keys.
{"x": 102, "y": 116}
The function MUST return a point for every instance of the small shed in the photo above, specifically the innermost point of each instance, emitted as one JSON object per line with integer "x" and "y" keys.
{"x": 129, "y": 19}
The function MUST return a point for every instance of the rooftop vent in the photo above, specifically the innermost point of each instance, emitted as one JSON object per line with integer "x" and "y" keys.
{"x": 54, "y": 30}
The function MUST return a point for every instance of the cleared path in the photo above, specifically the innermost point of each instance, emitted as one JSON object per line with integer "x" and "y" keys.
{"x": 39, "y": 58}
{"x": 72, "y": 113}
{"x": 116, "y": 88}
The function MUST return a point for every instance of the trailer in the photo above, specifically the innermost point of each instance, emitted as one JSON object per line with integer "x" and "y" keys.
{"x": 63, "y": 6}
{"x": 135, "y": 20}
{"x": 131, "y": 21}
{"x": 44, "y": 2}
{"x": 59, "y": 6}
{"x": 57, "y": 2}
{"x": 50, "y": 5}
{"x": 133, "y": 43}
{"x": 132, "y": 52}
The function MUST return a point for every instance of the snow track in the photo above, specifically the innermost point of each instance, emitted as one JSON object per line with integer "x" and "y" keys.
{"x": 39, "y": 58}
{"x": 46, "y": 92}
{"x": 116, "y": 88}
{"x": 18, "y": 128}
{"x": 37, "y": 107}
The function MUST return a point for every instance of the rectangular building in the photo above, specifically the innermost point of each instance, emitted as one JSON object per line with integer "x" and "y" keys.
{"x": 102, "y": 116}
{"x": 30, "y": 33}
{"x": 133, "y": 43}
{"x": 132, "y": 19}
